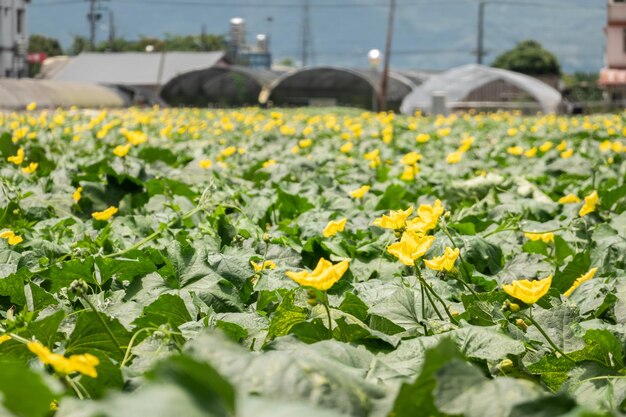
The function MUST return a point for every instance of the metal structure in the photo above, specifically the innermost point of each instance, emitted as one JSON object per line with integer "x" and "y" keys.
{"x": 13, "y": 38}
{"x": 477, "y": 86}
{"x": 140, "y": 72}
{"x": 17, "y": 94}
{"x": 336, "y": 86}
{"x": 217, "y": 86}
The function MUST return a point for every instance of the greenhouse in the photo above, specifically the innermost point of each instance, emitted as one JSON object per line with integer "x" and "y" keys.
{"x": 336, "y": 86}
{"x": 17, "y": 94}
{"x": 477, "y": 86}
{"x": 223, "y": 86}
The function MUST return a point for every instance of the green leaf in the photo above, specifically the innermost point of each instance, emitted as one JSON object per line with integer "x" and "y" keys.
{"x": 24, "y": 391}
{"x": 463, "y": 389}
{"x": 90, "y": 336}
{"x": 286, "y": 316}
{"x": 167, "y": 309}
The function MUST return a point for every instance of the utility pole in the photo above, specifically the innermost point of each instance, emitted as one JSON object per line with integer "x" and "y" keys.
{"x": 480, "y": 47}
{"x": 111, "y": 31}
{"x": 384, "y": 82}
{"x": 307, "y": 37}
{"x": 93, "y": 17}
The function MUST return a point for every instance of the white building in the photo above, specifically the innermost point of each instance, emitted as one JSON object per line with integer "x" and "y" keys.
{"x": 13, "y": 38}
{"x": 613, "y": 75}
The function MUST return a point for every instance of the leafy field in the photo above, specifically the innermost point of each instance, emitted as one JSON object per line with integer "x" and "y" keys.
{"x": 311, "y": 263}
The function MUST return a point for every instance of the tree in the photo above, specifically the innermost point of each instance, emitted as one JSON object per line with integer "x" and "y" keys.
{"x": 529, "y": 57}
{"x": 187, "y": 43}
{"x": 42, "y": 44}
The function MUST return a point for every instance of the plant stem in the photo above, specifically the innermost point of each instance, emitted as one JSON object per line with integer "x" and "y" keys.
{"x": 156, "y": 234}
{"x": 428, "y": 288}
{"x": 463, "y": 266}
{"x": 330, "y": 321}
{"x": 74, "y": 387}
{"x": 545, "y": 335}
{"x": 130, "y": 345}
{"x": 104, "y": 324}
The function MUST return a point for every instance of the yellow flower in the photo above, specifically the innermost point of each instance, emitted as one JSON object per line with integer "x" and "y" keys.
{"x": 136, "y": 137}
{"x": 18, "y": 158}
{"x": 122, "y": 150}
{"x": 11, "y": 237}
{"x": 324, "y": 276}
{"x": 545, "y": 237}
{"x": 528, "y": 291}
{"x": 410, "y": 247}
{"x": 410, "y": 172}
{"x": 617, "y": 147}
{"x": 4, "y": 338}
{"x": 411, "y": 158}
{"x": 295, "y": 150}
{"x": 515, "y": 150}
{"x": 512, "y": 131}
{"x": 31, "y": 106}
{"x": 422, "y": 138}
{"x": 205, "y": 163}
{"x": 360, "y": 192}
{"x": 84, "y": 364}
{"x": 334, "y": 227}
{"x": 261, "y": 266}
{"x": 444, "y": 132}
{"x": 305, "y": 143}
{"x": 32, "y": 167}
{"x": 567, "y": 154}
{"x": 454, "y": 157}
{"x": 580, "y": 280}
{"x": 590, "y": 204}
{"x": 104, "y": 215}
{"x": 228, "y": 151}
{"x": 346, "y": 147}
{"x": 466, "y": 143}
{"x": 605, "y": 146}
{"x": 546, "y": 146}
{"x": 427, "y": 218}
{"x": 373, "y": 157}
{"x": 444, "y": 262}
{"x": 269, "y": 163}
{"x": 531, "y": 153}
{"x": 562, "y": 146}
{"x": 77, "y": 194}
{"x": 569, "y": 199}
{"x": 395, "y": 220}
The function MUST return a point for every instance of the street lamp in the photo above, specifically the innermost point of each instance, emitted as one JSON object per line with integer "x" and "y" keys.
{"x": 374, "y": 56}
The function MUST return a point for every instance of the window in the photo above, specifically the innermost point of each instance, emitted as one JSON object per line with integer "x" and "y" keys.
{"x": 20, "y": 21}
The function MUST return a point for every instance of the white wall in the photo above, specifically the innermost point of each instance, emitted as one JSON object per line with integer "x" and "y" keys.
{"x": 10, "y": 64}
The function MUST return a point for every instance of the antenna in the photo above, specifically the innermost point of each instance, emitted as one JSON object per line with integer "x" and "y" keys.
{"x": 307, "y": 36}
{"x": 93, "y": 17}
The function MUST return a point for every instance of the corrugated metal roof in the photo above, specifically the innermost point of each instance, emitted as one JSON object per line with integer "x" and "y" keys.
{"x": 17, "y": 94}
{"x": 133, "y": 68}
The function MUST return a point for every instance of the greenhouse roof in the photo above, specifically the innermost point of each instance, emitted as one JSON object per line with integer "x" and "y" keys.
{"x": 459, "y": 82}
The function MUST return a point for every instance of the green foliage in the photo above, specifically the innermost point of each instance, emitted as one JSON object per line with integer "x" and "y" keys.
{"x": 529, "y": 57}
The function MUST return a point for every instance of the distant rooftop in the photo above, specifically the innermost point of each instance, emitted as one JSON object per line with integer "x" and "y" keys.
{"x": 133, "y": 68}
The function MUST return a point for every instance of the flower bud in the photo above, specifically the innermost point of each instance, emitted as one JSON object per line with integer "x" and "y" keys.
{"x": 521, "y": 324}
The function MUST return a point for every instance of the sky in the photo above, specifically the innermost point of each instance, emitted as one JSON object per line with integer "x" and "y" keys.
{"x": 429, "y": 34}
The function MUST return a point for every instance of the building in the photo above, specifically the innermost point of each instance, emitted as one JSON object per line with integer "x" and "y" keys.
{"x": 140, "y": 74}
{"x": 13, "y": 38}
{"x": 257, "y": 55}
{"x": 613, "y": 75}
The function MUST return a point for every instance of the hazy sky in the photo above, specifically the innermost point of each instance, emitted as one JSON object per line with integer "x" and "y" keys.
{"x": 430, "y": 34}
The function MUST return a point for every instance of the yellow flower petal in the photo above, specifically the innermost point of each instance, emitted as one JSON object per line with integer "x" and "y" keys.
{"x": 323, "y": 277}
{"x": 77, "y": 194}
{"x": 545, "y": 237}
{"x": 411, "y": 247}
{"x": 569, "y": 199}
{"x": 334, "y": 227}
{"x": 444, "y": 262}
{"x": 395, "y": 220}
{"x": 528, "y": 291}
{"x": 590, "y": 204}
{"x": 360, "y": 192}
{"x": 580, "y": 280}
{"x": 106, "y": 214}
